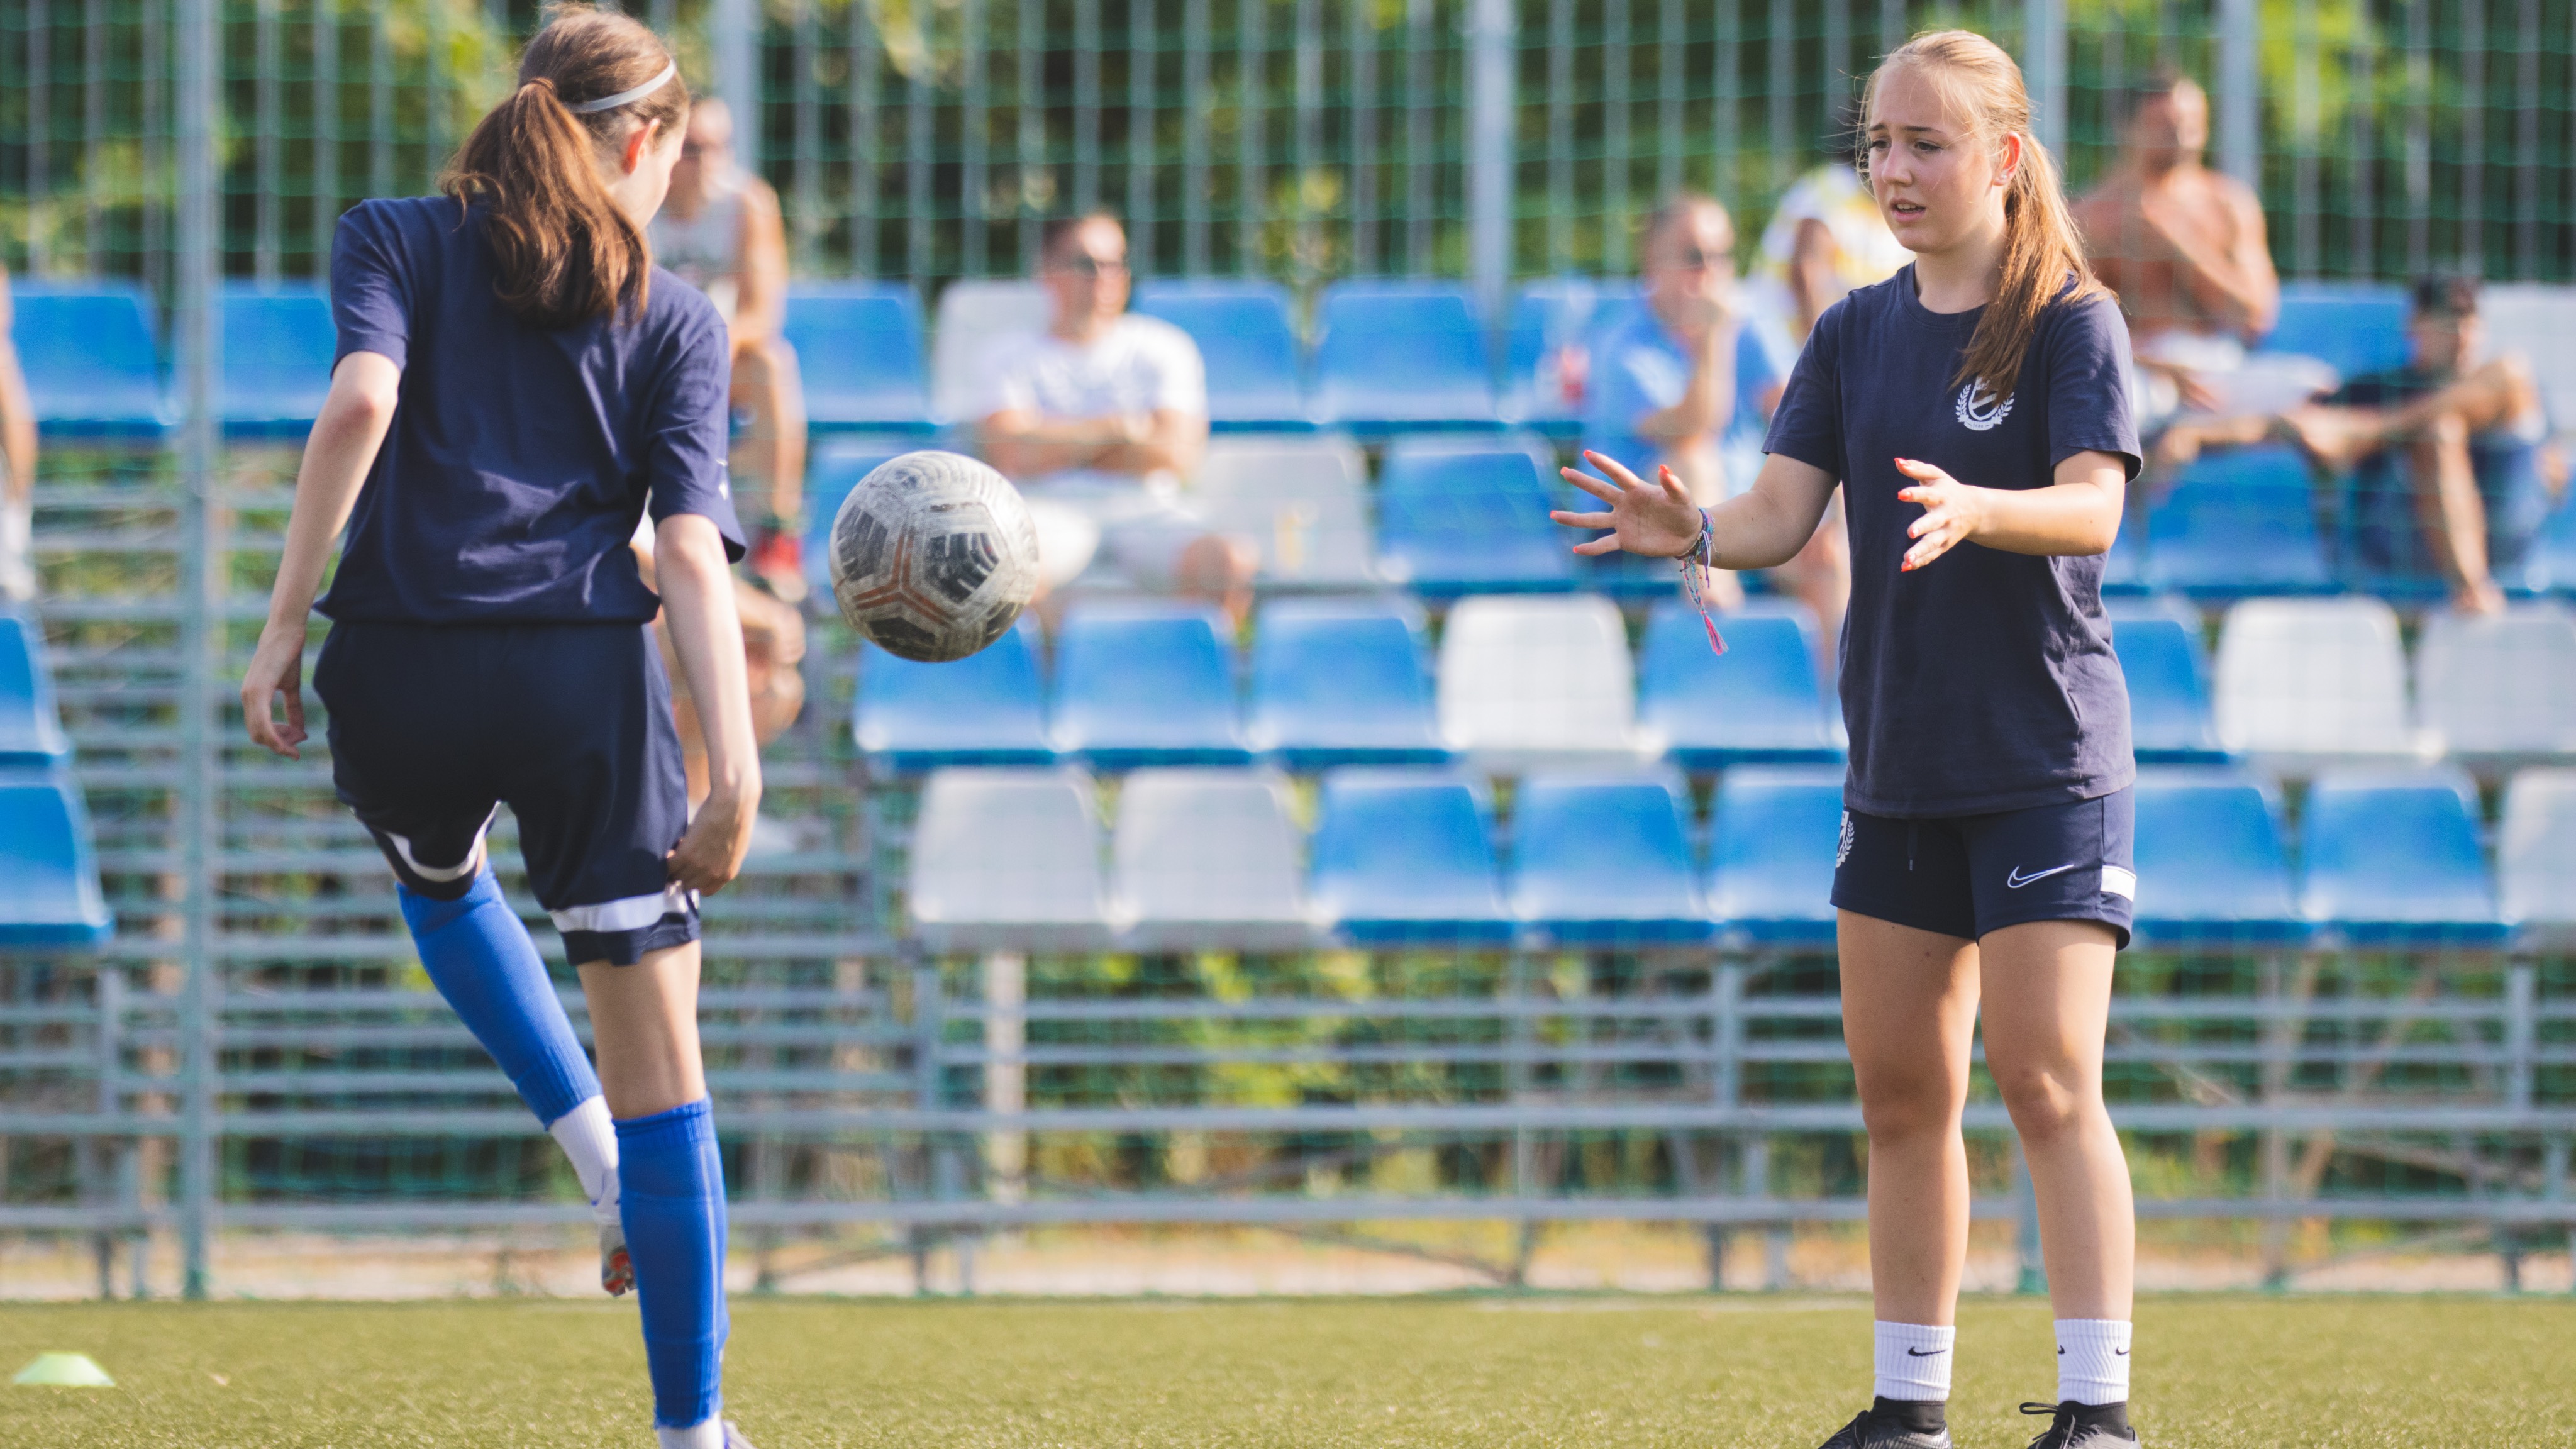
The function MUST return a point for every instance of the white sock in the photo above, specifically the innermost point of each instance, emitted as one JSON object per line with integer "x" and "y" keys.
{"x": 2093, "y": 1360}
{"x": 590, "y": 1140}
{"x": 1913, "y": 1361}
{"x": 708, "y": 1434}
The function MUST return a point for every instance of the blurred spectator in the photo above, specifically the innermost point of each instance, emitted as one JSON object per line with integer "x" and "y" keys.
{"x": 2453, "y": 474}
{"x": 1825, "y": 237}
{"x": 719, "y": 231}
{"x": 1099, "y": 418}
{"x": 773, "y": 646}
{"x": 2183, "y": 246}
{"x": 17, "y": 467}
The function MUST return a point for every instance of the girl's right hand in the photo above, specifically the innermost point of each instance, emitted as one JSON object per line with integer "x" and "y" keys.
{"x": 1655, "y": 519}
{"x": 276, "y": 668}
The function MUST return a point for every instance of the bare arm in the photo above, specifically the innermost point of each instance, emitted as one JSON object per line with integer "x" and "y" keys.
{"x": 1704, "y": 404}
{"x": 2234, "y": 283}
{"x": 697, "y": 607}
{"x": 1761, "y": 528}
{"x": 17, "y": 415}
{"x": 365, "y": 388}
{"x": 2076, "y": 515}
{"x": 760, "y": 292}
{"x": 1174, "y": 441}
{"x": 1024, "y": 444}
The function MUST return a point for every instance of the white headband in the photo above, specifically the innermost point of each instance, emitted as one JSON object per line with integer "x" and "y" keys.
{"x": 610, "y": 103}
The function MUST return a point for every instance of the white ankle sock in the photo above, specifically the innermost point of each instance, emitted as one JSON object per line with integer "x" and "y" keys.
{"x": 706, "y": 1435}
{"x": 1913, "y": 1361}
{"x": 2093, "y": 1360}
{"x": 589, "y": 1138}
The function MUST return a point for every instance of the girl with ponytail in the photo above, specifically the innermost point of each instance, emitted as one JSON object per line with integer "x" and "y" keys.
{"x": 514, "y": 389}
{"x": 1974, "y": 409}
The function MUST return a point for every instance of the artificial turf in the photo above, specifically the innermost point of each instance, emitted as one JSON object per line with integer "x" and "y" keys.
{"x": 2214, "y": 1373}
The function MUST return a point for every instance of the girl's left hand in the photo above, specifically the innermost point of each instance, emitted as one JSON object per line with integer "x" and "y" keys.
{"x": 1953, "y": 512}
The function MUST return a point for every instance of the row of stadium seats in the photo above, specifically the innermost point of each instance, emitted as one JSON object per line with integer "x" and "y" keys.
{"x": 1011, "y": 859}
{"x": 2300, "y": 684}
{"x": 49, "y": 890}
{"x": 1387, "y": 355}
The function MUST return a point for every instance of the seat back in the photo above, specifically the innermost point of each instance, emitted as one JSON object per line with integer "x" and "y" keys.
{"x": 1399, "y": 354}
{"x": 1208, "y": 857}
{"x": 92, "y": 362}
{"x": 1407, "y": 857}
{"x": 1146, "y": 684}
{"x": 834, "y": 468}
{"x": 2504, "y": 685}
{"x": 1301, "y": 499}
{"x": 1605, "y": 859}
{"x": 2211, "y": 866}
{"x": 1772, "y": 842}
{"x": 49, "y": 893}
{"x": 974, "y": 315}
{"x": 278, "y": 341}
{"x": 2538, "y": 320}
{"x": 985, "y": 709}
{"x": 1537, "y": 675}
{"x": 2158, "y": 642}
{"x": 2392, "y": 858}
{"x": 1551, "y": 319}
{"x": 1005, "y": 859}
{"x": 2550, "y": 563}
{"x": 1342, "y": 682}
{"x": 2536, "y": 852}
{"x": 31, "y": 727}
{"x": 2238, "y": 522}
{"x": 1469, "y": 519}
{"x": 2355, "y": 327}
{"x": 1246, "y": 340}
{"x": 2312, "y": 677}
{"x": 858, "y": 354}
{"x": 1760, "y": 701}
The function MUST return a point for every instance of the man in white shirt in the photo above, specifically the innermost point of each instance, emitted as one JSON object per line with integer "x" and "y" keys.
{"x": 1099, "y": 419}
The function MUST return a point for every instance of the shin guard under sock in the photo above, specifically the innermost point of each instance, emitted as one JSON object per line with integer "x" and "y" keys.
{"x": 480, "y": 958}
{"x": 672, "y": 1195}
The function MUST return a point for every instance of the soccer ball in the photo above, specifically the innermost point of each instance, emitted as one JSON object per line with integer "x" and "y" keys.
{"x": 933, "y": 556}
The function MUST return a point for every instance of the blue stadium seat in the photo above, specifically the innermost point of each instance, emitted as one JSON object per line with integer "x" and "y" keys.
{"x": 2158, "y": 641}
{"x": 834, "y": 468}
{"x": 93, "y": 366}
{"x": 1757, "y": 703}
{"x": 2354, "y": 327}
{"x": 2393, "y": 859}
{"x": 1605, "y": 861}
{"x": 859, "y": 353}
{"x": 1342, "y": 682}
{"x": 2239, "y": 522}
{"x": 1771, "y": 855}
{"x": 1469, "y": 520}
{"x": 1245, "y": 337}
{"x": 2212, "y": 871}
{"x": 1393, "y": 356}
{"x": 2550, "y": 565}
{"x": 1146, "y": 684}
{"x": 2125, "y": 571}
{"x": 278, "y": 341}
{"x": 985, "y": 709}
{"x": 1406, "y": 858}
{"x": 49, "y": 895}
{"x": 1549, "y": 317}
{"x": 31, "y": 728}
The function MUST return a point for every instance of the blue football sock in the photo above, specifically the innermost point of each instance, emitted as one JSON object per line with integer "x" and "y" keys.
{"x": 482, "y": 961}
{"x": 671, "y": 1194}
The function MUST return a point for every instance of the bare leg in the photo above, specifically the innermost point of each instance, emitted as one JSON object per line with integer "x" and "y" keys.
{"x": 644, "y": 1026}
{"x": 2045, "y": 1022}
{"x": 2453, "y": 516}
{"x": 1220, "y": 570}
{"x": 1909, "y": 1009}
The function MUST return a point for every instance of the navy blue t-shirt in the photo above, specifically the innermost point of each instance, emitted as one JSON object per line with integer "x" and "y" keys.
{"x": 519, "y": 460}
{"x": 1985, "y": 680}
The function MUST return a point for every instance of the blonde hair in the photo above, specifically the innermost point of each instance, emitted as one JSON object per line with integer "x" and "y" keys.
{"x": 2043, "y": 252}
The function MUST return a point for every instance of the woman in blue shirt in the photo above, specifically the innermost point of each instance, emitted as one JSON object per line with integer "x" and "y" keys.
{"x": 1974, "y": 411}
{"x": 514, "y": 387}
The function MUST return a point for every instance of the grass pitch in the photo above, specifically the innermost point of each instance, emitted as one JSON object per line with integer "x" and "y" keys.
{"x": 2214, "y": 1373}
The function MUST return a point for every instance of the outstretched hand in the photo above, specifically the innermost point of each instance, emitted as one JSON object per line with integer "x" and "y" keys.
{"x": 1656, "y": 519}
{"x": 1952, "y": 512}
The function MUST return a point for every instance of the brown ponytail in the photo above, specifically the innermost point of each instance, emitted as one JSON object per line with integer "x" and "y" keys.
{"x": 566, "y": 253}
{"x": 2043, "y": 253}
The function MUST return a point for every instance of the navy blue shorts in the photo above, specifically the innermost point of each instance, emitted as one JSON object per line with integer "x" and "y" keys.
{"x": 434, "y": 726}
{"x": 1966, "y": 875}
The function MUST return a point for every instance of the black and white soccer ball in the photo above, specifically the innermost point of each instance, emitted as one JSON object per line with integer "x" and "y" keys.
{"x": 933, "y": 556}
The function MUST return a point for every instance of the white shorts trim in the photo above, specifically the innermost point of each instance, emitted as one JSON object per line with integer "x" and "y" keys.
{"x": 442, "y": 874}
{"x": 2120, "y": 881}
{"x": 634, "y": 913}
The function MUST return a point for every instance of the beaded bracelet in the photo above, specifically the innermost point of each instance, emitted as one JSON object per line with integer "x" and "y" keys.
{"x": 1693, "y": 560}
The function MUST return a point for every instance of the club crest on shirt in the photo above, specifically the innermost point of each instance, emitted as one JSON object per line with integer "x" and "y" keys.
{"x": 1977, "y": 414}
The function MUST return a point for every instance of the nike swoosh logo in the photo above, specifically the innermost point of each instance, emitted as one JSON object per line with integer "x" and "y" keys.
{"x": 2120, "y": 1353}
{"x": 1925, "y": 1352}
{"x": 2017, "y": 880}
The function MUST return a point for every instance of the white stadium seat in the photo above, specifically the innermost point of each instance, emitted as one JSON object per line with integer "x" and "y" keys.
{"x": 2502, "y": 686}
{"x": 1541, "y": 679}
{"x": 1009, "y": 860}
{"x": 1208, "y": 859}
{"x": 971, "y": 315}
{"x": 1301, "y": 499}
{"x": 2305, "y": 683}
{"x": 2536, "y": 856}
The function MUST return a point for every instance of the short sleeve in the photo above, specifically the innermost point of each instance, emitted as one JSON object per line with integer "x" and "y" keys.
{"x": 370, "y": 291}
{"x": 2088, "y": 386}
{"x": 1809, "y": 424}
{"x": 1003, "y": 381}
{"x": 688, "y": 429}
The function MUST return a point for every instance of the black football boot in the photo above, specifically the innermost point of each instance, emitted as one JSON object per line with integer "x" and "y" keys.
{"x": 2082, "y": 1426}
{"x": 1891, "y": 1424}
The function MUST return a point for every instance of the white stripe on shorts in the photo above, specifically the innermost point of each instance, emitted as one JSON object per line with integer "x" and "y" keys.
{"x": 634, "y": 913}
{"x": 442, "y": 874}
{"x": 2121, "y": 882}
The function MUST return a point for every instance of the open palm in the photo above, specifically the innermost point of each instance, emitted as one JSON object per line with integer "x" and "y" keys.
{"x": 1656, "y": 519}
